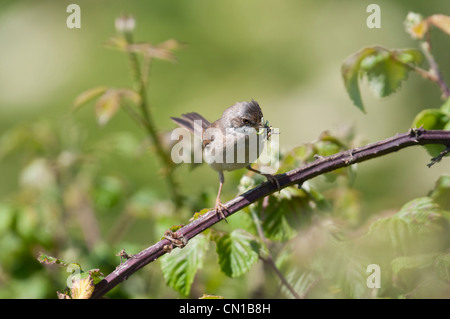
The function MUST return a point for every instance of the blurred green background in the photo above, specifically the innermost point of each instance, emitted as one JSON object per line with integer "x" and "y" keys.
{"x": 284, "y": 54}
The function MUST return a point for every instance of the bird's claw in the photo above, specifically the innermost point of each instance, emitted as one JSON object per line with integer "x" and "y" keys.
{"x": 272, "y": 179}
{"x": 220, "y": 208}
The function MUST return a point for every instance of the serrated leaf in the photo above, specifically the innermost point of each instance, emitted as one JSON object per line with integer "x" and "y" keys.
{"x": 385, "y": 69}
{"x": 300, "y": 281}
{"x": 441, "y": 193}
{"x": 237, "y": 252}
{"x": 106, "y": 106}
{"x": 442, "y": 267}
{"x": 49, "y": 260}
{"x": 350, "y": 70}
{"x": 286, "y": 211}
{"x": 419, "y": 261}
{"x": 408, "y": 56}
{"x": 180, "y": 266}
{"x": 96, "y": 275}
{"x": 386, "y": 75}
{"x": 88, "y": 96}
{"x": 425, "y": 219}
{"x": 418, "y": 225}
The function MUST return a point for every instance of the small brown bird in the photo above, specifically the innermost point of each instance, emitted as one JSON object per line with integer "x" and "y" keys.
{"x": 232, "y": 142}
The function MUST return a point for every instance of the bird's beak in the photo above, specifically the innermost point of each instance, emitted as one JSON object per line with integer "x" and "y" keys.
{"x": 260, "y": 124}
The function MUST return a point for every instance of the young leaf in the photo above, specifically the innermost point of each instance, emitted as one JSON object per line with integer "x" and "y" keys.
{"x": 440, "y": 21}
{"x": 180, "y": 266}
{"x": 387, "y": 73}
{"x": 385, "y": 69}
{"x": 131, "y": 95}
{"x": 237, "y": 251}
{"x": 49, "y": 260}
{"x": 88, "y": 96}
{"x": 163, "y": 51}
{"x": 350, "y": 72}
{"x": 106, "y": 106}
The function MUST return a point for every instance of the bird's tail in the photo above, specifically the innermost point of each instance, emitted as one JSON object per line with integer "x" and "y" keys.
{"x": 187, "y": 121}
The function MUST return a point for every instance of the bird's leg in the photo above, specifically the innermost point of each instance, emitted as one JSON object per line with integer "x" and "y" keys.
{"x": 271, "y": 178}
{"x": 219, "y": 207}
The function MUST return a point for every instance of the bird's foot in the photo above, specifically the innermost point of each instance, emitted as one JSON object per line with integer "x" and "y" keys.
{"x": 220, "y": 208}
{"x": 273, "y": 180}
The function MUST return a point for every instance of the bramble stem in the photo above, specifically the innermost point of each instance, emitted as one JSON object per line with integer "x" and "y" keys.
{"x": 298, "y": 176}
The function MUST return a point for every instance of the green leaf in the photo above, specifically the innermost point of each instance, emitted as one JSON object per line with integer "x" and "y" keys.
{"x": 237, "y": 252}
{"x": 385, "y": 74}
{"x": 442, "y": 267}
{"x": 287, "y": 210}
{"x": 180, "y": 266}
{"x": 300, "y": 281}
{"x": 419, "y": 226}
{"x": 432, "y": 119}
{"x": 350, "y": 70}
{"x": 88, "y": 96}
{"x": 49, "y": 260}
{"x": 385, "y": 69}
{"x": 408, "y": 56}
{"x": 441, "y": 193}
{"x": 423, "y": 215}
{"x": 419, "y": 261}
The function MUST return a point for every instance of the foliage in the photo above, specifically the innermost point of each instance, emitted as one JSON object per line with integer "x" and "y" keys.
{"x": 313, "y": 240}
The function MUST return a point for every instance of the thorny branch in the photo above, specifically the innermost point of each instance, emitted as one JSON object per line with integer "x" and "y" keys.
{"x": 294, "y": 177}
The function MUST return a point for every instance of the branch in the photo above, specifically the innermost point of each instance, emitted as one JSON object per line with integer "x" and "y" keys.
{"x": 434, "y": 69}
{"x": 297, "y": 176}
{"x": 140, "y": 77}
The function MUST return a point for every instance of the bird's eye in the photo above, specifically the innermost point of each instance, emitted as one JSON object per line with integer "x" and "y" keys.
{"x": 245, "y": 121}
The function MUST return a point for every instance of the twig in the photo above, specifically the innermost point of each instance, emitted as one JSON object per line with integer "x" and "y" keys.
{"x": 141, "y": 80}
{"x": 434, "y": 68}
{"x": 268, "y": 259}
{"x": 297, "y": 176}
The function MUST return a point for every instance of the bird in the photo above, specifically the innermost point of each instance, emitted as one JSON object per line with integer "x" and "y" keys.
{"x": 232, "y": 142}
